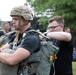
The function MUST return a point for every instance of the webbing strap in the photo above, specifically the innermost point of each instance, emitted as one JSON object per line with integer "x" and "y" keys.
{"x": 15, "y": 41}
{"x": 52, "y": 59}
{"x": 16, "y": 38}
{"x": 40, "y": 33}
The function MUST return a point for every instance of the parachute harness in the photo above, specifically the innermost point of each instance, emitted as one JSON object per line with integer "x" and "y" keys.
{"x": 15, "y": 40}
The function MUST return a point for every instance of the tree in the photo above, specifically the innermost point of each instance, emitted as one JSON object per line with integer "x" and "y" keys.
{"x": 65, "y": 8}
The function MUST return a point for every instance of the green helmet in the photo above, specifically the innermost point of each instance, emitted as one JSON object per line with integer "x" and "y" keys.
{"x": 23, "y": 11}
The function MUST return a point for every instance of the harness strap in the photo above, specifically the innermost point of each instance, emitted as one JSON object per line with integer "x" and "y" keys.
{"x": 16, "y": 38}
{"x": 51, "y": 58}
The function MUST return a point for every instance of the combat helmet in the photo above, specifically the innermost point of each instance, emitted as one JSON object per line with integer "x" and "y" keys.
{"x": 23, "y": 11}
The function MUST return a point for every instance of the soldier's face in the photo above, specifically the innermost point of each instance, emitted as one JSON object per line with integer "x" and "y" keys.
{"x": 17, "y": 22}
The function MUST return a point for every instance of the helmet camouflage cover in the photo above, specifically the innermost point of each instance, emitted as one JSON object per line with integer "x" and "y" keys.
{"x": 23, "y": 11}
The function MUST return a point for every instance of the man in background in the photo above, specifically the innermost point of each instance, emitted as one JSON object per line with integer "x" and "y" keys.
{"x": 6, "y": 27}
{"x": 67, "y": 29}
{"x": 64, "y": 40}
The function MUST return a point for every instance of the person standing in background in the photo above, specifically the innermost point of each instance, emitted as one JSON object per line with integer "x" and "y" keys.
{"x": 63, "y": 63}
{"x": 67, "y": 29}
{"x": 6, "y": 27}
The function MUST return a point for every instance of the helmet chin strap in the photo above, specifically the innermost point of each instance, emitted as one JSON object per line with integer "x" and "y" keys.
{"x": 20, "y": 26}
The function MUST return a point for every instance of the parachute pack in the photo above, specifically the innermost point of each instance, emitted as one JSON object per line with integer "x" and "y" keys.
{"x": 8, "y": 69}
{"x": 38, "y": 63}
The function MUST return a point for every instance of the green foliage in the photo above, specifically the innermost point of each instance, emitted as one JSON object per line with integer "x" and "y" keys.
{"x": 64, "y": 8}
{"x": 74, "y": 67}
{"x": 43, "y": 22}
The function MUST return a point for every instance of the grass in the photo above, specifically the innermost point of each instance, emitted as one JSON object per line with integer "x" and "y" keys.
{"x": 74, "y": 67}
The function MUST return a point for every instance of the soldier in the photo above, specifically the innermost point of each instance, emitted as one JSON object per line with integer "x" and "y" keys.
{"x": 6, "y": 27}
{"x": 21, "y": 19}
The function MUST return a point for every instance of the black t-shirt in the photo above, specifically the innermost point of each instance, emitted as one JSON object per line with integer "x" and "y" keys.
{"x": 63, "y": 63}
{"x": 31, "y": 41}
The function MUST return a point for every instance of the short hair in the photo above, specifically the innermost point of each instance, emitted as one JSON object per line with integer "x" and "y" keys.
{"x": 58, "y": 19}
{"x": 4, "y": 23}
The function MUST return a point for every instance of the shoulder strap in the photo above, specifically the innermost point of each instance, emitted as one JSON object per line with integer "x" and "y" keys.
{"x": 40, "y": 33}
{"x": 16, "y": 38}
